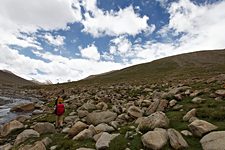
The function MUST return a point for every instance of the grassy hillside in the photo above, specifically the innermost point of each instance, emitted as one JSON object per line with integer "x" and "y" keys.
{"x": 9, "y": 79}
{"x": 197, "y": 64}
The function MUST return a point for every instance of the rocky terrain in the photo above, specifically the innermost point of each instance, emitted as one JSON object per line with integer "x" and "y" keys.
{"x": 186, "y": 113}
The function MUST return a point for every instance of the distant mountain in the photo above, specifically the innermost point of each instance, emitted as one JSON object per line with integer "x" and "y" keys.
{"x": 47, "y": 82}
{"x": 8, "y": 78}
{"x": 183, "y": 66}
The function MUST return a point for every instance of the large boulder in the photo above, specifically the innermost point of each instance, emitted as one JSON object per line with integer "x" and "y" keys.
{"x": 200, "y": 127}
{"x": 153, "y": 107}
{"x": 176, "y": 139}
{"x": 39, "y": 145}
{"x": 198, "y": 100}
{"x": 220, "y": 92}
{"x": 85, "y": 134}
{"x": 102, "y": 106}
{"x": 26, "y": 134}
{"x": 44, "y": 127}
{"x": 190, "y": 114}
{"x": 104, "y": 140}
{"x": 77, "y": 128}
{"x": 156, "y": 120}
{"x": 11, "y": 126}
{"x": 162, "y": 105}
{"x": 7, "y": 146}
{"x": 134, "y": 112}
{"x": 88, "y": 107}
{"x": 213, "y": 141}
{"x": 23, "y": 107}
{"x": 155, "y": 139}
{"x": 103, "y": 127}
{"x": 96, "y": 118}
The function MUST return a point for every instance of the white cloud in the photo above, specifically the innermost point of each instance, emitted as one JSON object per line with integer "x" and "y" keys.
{"x": 57, "y": 40}
{"x": 29, "y": 16}
{"x": 125, "y": 21}
{"x": 201, "y": 27}
{"x": 120, "y": 45}
{"x": 57, "y": 69}
{"x": 90, "y": 52}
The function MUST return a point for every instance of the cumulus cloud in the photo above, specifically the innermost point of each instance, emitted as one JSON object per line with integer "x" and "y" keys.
{"x": 200, "y": 27}
{"x": 90, "y": 52}
{"x": 29, "y": 16}
{"x": 125, "y": 21}
{"x": 57, "y": 40}
{"x": 57, "y": 69}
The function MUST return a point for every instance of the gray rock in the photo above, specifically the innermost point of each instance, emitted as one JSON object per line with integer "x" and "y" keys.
{"x": 198, "y": 100}
{"x": 77, "y": 128}
{"x": 155, "y": 139}
{"x": 11, "y": 126}
{"x": 220, "y": 92}
{"x": 36, "y": 146}
{"x": 85, "y": 134}
{"x": 46, "y": 141}
{"x": 82, "y": 113}
{"x": 200, "y": 127}
{"x": 213, "y": 141}
{"x": 7, "y": 146}
{"x": 103, "y": 127}
{"x": 186, "y": 133}
{"x": 26, "y": 134}
{"x": 104, "y": 140}
{"x": 22, "y": 118}
{"x": 176, "y": 139}
{"x": 23, "y": 107}
{"x": 155, "y": 120}
{"x": 153, "y": 107}
{"x": 37, "y": 112}
{"x": 190, "y": 114}
{"x": 70, "y": 119}
{"x": 96, "y": 118}
{"x": 134, "y": 112}
{"x": 172, "y": 103}
{"x": 102, "y": 106}
{"x": 44, "y": 127}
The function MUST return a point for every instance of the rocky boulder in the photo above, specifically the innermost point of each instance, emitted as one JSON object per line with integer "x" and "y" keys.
{"x": 36, "y": 146}
{"x": 23, "y": 107}
{"x": 220, "y": 92}
{"x": 11, "y": 126}
{"x": 155, "y": 139}
{"x": 134, "y": 112}
{"x": 85, "y": 134}
{"x": 155, "y": 120}
{"x": 176, "y": 139}
{"x": 104, "y": 140}
{"x": 190, "y": 114}
{"x": 96, "y": 118}
{"x": 77, "y": 128}
{"x": 26, "y": 134}
{"x": 103, "y": 127}
{"x": 44, "y": 127}
{"x": 198, "y": 100}
{"x": 213, "y": 141}
{"x": 200, "y": 127}
{"x": 6, "y": 147}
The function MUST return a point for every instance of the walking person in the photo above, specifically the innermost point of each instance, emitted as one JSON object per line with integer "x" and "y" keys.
{"x": 59, "y": 111}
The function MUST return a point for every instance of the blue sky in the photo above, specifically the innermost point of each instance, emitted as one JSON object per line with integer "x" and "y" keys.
{"x": 61, "y": 40}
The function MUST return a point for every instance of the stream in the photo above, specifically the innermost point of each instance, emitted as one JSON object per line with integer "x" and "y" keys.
{"x": 6, "y": 104}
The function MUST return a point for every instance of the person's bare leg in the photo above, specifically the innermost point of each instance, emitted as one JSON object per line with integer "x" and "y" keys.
{"x": 57, "y": 121}
{"x": 61, "y": 121}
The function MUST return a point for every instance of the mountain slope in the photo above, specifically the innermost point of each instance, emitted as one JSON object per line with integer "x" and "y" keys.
{"x": 8, "y": 78}
{"x": 195, "y": 64}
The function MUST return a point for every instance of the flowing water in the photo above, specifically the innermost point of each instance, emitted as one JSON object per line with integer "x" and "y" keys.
{"x": 5, "y": 105}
